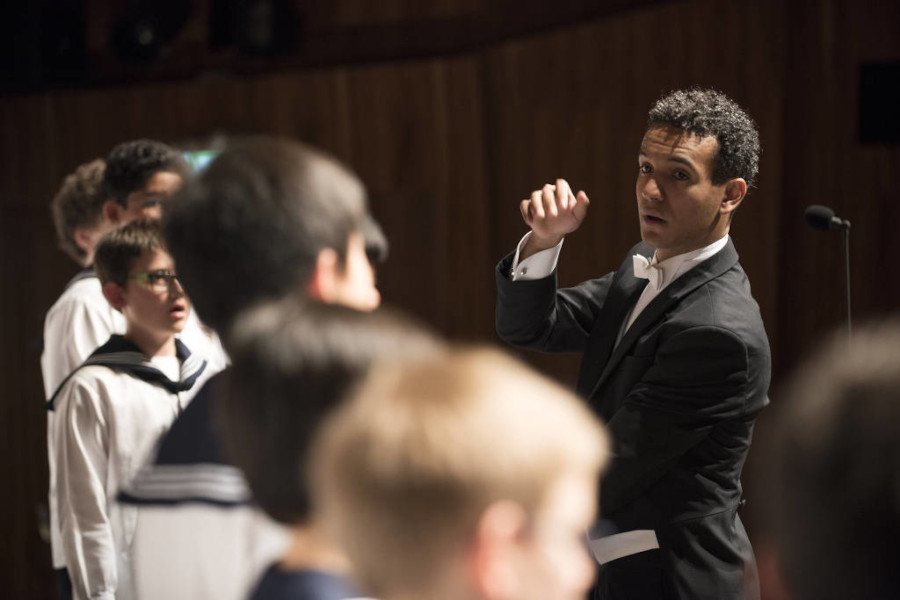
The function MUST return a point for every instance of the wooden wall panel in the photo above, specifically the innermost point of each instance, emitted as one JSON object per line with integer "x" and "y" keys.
{"x": 826, "y": 164}
{"x": 417, "y": 135}
{"x": 573, "y": 105}
{"x": 447, "y": 148}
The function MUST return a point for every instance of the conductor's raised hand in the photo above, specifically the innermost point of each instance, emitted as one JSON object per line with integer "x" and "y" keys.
{"x": 552, "y": 212}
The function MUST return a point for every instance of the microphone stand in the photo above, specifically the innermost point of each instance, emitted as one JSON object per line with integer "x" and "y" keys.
{"x": 846, "y": 229}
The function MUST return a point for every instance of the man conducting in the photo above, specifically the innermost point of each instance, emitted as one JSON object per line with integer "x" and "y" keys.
{"x": 674, "y": 353}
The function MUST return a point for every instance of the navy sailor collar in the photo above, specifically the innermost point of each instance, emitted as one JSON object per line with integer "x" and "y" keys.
{"x": 124, "y": 356}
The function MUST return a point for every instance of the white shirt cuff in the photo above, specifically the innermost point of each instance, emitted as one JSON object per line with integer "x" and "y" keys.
{"x": 538, "y": 265}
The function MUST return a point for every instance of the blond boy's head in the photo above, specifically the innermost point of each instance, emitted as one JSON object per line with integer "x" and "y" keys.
{"x": 468, "y": 476}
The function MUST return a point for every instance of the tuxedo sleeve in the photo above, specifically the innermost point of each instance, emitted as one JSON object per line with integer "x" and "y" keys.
{"x": 534, "y": 314}
{"x": 697, "y": 379}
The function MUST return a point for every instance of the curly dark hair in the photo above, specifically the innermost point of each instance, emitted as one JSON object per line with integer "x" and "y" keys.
{"x": 78, "y": 204}
{"x": 707, "y": 112}
{"x": 130, "y": 164}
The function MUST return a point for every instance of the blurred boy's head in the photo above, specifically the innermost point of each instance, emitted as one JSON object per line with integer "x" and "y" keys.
{"x": 466, "y": 476}
{"x": 77, "y": 211}
{"x": 292, "y": 363}
{"x": 138, "y": 277}
{"x": 834, "y": 468}
{"x": 269, "y": 218}
{"x": 141, "y": 176}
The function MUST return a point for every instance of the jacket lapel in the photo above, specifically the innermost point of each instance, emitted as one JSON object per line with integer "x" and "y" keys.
{"x": 706, "y": 271}
{"x": 623, "y": 294}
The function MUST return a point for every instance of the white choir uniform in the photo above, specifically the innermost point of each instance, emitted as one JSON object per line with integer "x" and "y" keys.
{"x": 199, "y": 535}
{"x": 109, "y": 415}
{"x": 77, "y": 323}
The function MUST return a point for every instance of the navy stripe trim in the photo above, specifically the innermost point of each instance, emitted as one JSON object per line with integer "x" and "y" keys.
{"x": 172, "y": 484}
{"x": 126, "y": 498}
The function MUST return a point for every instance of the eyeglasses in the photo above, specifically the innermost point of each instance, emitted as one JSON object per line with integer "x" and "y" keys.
{"x": 159, "y": 281}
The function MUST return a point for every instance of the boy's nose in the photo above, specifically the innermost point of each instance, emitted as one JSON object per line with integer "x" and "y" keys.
{"x": 175, "y": 287}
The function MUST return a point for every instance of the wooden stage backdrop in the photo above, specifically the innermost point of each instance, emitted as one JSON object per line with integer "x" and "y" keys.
{"x": 449, "y": 143}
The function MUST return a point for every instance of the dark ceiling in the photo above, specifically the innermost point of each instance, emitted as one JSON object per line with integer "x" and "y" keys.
{"x": 86, "y": 43}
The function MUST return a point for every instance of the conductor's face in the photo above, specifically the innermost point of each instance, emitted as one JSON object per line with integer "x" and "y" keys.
{"x": 679, "y": 207}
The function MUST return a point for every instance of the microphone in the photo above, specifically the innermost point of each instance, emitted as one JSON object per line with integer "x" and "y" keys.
{"x": 822, "y": 218}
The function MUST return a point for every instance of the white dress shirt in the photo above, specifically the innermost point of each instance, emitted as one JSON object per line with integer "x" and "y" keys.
{"x": 671, "y": 269}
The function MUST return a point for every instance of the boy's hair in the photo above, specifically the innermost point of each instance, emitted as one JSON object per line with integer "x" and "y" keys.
{"x": 712, "y": 113}
{"x": 377, "y": 247}
{"x": 78, "y": 204}
{"x": 835, "y": 470}
{"x": 119, "y": 248}
{"x": 293, "y": 362}
{"x": 406, "y": 468}
{"x": 250, "y": 227}
{"x": 131, "y": 164}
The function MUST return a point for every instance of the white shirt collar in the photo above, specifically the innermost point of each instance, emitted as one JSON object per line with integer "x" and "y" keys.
{"x": 672, "y": 268}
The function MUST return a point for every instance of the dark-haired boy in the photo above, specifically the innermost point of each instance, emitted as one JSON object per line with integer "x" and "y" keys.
{"x": 298, "y": 361}
{"x": 141, "y": 176}
{"x": 111, "y": 411}
{"x": 267, "y": 219}
{"x": 675, "y": 355}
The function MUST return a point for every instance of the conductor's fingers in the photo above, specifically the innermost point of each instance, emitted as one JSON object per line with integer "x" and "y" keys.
{"x": 526, "y": 210}
{"x": 563, "y": 194}
{"x": 581, "y": 205}
{"x": 548, "y": 193}
{"x": 537, "y": 205}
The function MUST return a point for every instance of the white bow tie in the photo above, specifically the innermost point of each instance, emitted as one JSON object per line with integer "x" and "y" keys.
{"x": 643, "y": 269}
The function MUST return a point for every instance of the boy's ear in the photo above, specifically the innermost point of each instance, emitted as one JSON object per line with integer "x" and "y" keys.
{"x": 115, "y": 295}
{"x": 84, "y": 239}
{"x": 492, "y": 557}
{"x": 323, "y": 281}
{"x": 112, "y": 211}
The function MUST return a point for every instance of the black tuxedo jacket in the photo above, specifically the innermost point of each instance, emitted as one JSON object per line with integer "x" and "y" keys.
{"x": 679, "y": 394}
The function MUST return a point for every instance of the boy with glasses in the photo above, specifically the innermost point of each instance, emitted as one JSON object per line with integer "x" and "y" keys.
{"x": 111, "y": 411}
